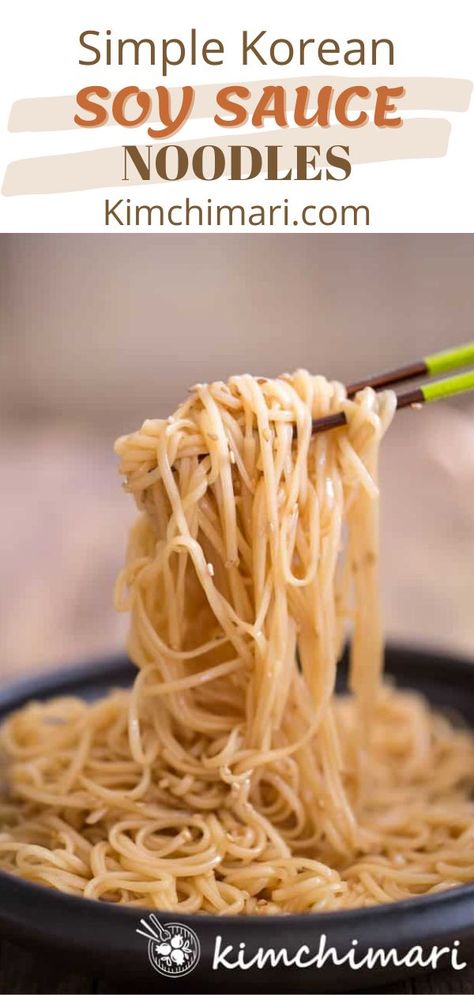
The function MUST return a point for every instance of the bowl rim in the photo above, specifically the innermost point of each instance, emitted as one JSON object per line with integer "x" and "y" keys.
{"x": 25, "y": 890}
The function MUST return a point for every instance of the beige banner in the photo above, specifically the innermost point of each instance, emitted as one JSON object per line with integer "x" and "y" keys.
{"x": 419, "y": 138}
{"x": 57, "y": 113}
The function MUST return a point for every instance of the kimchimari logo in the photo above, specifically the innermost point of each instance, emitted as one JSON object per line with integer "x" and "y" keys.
{"x": 173, "y": 948}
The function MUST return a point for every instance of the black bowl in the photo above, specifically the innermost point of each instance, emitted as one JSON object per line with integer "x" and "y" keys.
{"x": 105, "y": 939}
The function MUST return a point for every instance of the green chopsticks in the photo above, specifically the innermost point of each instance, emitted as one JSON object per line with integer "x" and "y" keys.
{"x": 439, "y": 362}
{"x": 447, "y": 387}
{"x": 450, "y": 359}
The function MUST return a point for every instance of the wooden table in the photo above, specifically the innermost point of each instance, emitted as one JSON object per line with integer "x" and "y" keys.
{"x": 23, "y": 972}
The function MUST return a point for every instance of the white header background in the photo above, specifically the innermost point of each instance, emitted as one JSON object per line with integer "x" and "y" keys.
{"x": 40, "y": 53}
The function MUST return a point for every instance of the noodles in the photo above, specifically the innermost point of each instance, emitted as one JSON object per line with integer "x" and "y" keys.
{"x": 230, "y": 779}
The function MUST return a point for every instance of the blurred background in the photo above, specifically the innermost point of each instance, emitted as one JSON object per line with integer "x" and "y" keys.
{"x": 99, "y": 332}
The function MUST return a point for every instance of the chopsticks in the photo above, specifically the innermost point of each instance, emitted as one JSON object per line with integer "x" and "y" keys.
{"x": 440, "y": 362}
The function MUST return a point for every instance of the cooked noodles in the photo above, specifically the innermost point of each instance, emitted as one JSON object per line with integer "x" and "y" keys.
{"x": 230, "y": 779}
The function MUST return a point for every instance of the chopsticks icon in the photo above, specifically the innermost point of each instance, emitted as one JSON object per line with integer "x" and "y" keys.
{"x": 439, "y": 362}
{"x": 154, "y": 932}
